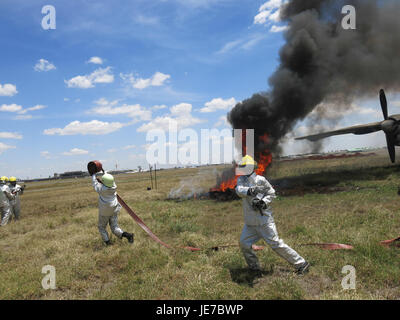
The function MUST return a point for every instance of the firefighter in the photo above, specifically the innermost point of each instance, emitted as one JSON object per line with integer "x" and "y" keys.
{"x": 109, "y": 208}
{"x": 257, "y": 194}
{"x": 15, "y": 204}
{"x": 5, "y": 197}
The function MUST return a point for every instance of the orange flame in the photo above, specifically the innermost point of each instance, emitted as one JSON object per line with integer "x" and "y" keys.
{"x": 264, "y": 160}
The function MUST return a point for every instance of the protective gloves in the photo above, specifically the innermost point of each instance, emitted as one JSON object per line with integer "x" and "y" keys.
{"x": 258, "y": 204}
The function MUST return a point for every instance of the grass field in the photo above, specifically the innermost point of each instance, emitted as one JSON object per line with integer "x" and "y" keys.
{"x": 352, "y": 201}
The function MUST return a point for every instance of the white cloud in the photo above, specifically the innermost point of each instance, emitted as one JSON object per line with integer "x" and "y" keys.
{"x": 96, "y": 60}
{"x": 158, "y": 79}
{"x": 262, "y": 17}
{"x": 75, "y": 152}
{"x": 112, "y": 150}
{"x": 222, "y": 122}
{"x": 252, "y": 41}
{"x": 366, "y": 111}
{"x": 82, "y": 82}
{"x": 101, "y": 75}
{"x": 105, "y": 103}
{"x": 271, "y": 4}
{"x": 37, "y": 107}
{"x": 275, "y": 17}
{"x": 93, "y": 127}
{"x": 276, "y": 29}
{"x": 10, "y": 107}
{"x": 162, "y": 123}
{"x": 180, "y": 115}
{"x": 159, "y": 107}
{"x": 245, "y": 43}
{"x": 182, "y": 108}
{"x": 8, "y": 90}
{"x": 44, "y": 65}
{"x": 269, "y": 13}
{"x": 229, "y": 46}
{"x": 136, "y": 111}
{"x": 218, "y": 104}
{"x": 22, "y": 113}
{"x": 10, "y": 135}
{"x": 46, "y": 154}
{"x": 5, "y": 147}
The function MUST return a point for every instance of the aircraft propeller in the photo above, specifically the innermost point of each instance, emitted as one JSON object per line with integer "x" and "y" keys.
{"x": 390, "y": 126}
{"x": 387, "y": 127}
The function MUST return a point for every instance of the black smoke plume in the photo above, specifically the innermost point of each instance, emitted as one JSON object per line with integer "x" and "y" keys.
{"x": 321, "y": 62}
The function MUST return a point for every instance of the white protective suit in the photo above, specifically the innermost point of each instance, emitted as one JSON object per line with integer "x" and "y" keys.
{"x": 5, "y": 208}
{"x": 16, "y": 203}
{"x": 259, "y": 223}
{"x": 109, "y": 208}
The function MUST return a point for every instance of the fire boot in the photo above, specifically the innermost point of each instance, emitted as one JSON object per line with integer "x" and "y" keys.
{"x": 129, "y": 236}
{"x": 303, "y": 269}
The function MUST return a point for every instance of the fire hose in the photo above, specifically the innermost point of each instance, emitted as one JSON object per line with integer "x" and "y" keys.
{"x": 146, "y": 228}
{"x": 95, "y": 166}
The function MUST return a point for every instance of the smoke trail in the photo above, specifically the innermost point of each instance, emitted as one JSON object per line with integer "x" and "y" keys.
{"x": 323, "y": 63}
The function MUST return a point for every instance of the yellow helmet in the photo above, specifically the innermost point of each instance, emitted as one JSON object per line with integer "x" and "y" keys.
{"x": 247, "y": 161}
{"x": 4, "y": 179}
{"x": 13, "y": 179}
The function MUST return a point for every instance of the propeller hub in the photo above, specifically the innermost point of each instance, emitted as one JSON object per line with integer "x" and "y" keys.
{"x": 388, "y": 126}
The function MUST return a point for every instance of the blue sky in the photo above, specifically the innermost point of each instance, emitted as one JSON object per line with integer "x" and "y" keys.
{"x": 111, "y": 70}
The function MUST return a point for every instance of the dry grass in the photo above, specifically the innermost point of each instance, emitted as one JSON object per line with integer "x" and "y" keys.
{"x": 59, "y": 228}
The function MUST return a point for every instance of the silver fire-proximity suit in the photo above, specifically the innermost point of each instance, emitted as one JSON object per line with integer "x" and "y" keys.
{"x": 109, "y": 208}
{"x": 5, "y": 197}
{"x": 259, "y": 223}
{"x": 16, "y": 203}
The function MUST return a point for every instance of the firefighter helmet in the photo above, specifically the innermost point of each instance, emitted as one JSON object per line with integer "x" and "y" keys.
{"x": 108, "y": 180}
{"x": 247, "y": 161}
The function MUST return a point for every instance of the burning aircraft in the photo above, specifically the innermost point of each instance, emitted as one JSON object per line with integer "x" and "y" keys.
{"x": 390, "y": 126}
{"x": 321, "y": 62}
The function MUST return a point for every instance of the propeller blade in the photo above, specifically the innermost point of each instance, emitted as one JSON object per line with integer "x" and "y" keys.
{"x": 391, "y": 148}
{"x": 384, "y": 105}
